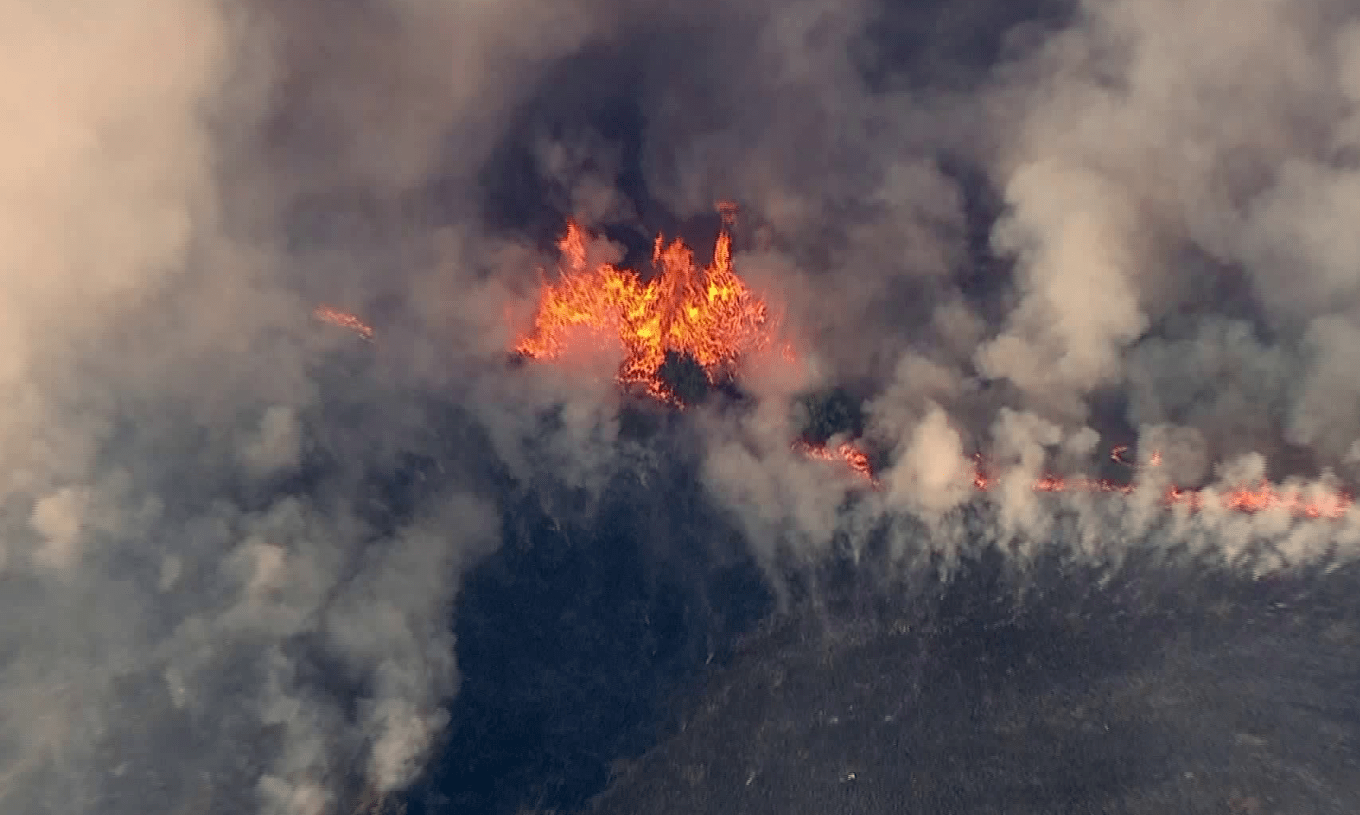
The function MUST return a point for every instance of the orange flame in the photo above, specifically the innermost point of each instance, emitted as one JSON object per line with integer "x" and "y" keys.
{"x": 1331, "y": 505}
{"x": 343, "y": 319}
{"x": 853, "y": 457}
{"x": 708, "y": 314}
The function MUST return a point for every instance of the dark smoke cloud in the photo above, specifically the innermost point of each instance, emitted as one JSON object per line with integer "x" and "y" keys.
{"x": 1127, "y": 204}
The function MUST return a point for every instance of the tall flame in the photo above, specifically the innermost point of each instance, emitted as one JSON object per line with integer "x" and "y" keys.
{"x": 706, "y": 314}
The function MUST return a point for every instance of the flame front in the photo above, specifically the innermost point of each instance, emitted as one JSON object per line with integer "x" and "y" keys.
{"x": 707, "y": 314}
{"x": 1319, "y": 503}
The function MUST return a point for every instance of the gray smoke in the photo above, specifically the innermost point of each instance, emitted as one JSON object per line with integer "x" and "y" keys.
{"x": 173, "y": 610}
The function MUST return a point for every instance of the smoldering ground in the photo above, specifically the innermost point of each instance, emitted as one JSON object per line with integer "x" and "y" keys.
{"x": 234, "y": 539}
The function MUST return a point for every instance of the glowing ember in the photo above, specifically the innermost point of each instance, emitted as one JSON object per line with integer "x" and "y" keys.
{"x": 706, "y": 314}
{"x": 344, "y": 319}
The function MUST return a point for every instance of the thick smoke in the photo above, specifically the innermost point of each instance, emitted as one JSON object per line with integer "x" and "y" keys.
{"x": 202, "y": 614}
{"x": 1026, "y": 233}
{"x": 1170, "y": 262}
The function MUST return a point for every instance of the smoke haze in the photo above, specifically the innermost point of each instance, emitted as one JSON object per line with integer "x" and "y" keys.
{"x": 1027, "y": 233}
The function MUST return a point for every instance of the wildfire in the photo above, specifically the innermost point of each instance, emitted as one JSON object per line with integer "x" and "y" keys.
{"x": 343, "y": 319}
{"x": 707, "y": 314}
{"x": 1325, "y": 504}
{"x": 711, "y": 316}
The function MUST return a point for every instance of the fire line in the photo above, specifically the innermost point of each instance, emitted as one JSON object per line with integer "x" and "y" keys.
{"x": 1324, "y": 505}
{"x": 710, "y": 315}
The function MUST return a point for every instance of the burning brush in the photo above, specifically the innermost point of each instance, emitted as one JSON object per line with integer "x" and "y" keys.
{"x": 834, "y": 415}
{"x": 1317, "y": 504}
{"x": 681, "y": 332}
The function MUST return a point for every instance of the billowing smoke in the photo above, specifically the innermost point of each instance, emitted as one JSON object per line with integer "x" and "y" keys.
{"x": 1165, "y": 265}
{"x": 1024, "y": 231}
{"x": 203, "y": 610}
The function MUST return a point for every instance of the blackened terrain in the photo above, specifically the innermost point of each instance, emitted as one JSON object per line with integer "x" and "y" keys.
{"x": 1168, "y": 689}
